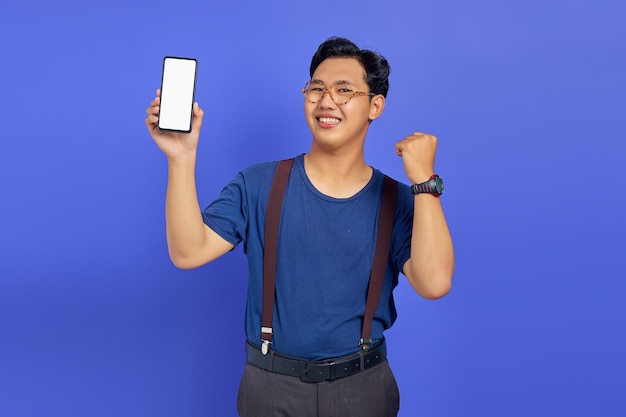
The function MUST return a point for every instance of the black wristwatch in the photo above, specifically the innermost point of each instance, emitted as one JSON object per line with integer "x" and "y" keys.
{"x": 433, "y": 186}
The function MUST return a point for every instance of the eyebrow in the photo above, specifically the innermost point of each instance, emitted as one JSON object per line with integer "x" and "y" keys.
{"x": 338, "y": 82}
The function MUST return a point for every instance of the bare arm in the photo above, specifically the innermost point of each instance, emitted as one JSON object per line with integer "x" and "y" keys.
{"x": 431, "y": 265}
{"x": 190, "y": 242}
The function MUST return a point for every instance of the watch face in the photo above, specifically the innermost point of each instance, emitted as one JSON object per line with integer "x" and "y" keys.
{"x": 439, "y": 185}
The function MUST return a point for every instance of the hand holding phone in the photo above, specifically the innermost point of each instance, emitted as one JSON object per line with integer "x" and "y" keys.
{"x": 178, "y": 87}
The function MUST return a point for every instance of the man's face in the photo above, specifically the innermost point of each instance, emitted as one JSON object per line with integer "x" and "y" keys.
{"x": 335, "y": 124}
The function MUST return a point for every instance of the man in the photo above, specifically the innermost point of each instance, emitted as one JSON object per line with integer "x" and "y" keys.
{"x": 326, "y": 243}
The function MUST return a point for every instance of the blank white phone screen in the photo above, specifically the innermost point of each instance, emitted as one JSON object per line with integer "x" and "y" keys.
{"x": 177, "y": 94}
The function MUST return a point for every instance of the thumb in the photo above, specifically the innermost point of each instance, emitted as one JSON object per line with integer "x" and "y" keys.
{"x": 198, "y": 114}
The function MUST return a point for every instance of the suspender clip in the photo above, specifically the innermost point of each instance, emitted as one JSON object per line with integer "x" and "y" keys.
{"x": 265, "y": 347}
{"x": 365, "y": 343}
{"x": 266, "y": 337}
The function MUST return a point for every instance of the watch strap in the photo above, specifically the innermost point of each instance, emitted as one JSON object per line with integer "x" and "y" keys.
{"x": 427, "y": 187}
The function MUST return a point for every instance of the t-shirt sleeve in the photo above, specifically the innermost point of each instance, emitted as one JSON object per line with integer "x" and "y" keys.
{"x": 227, "y": 214}
{"x": 403, "y": 227}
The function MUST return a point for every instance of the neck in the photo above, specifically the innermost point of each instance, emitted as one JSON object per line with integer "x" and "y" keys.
{"x": 337, "y": 174}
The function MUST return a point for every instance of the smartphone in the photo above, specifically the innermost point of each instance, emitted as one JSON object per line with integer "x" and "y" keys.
{"x": 178, "y": 90}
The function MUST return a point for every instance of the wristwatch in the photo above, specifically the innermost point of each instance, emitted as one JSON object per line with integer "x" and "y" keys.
{"x": 433, "y": 186}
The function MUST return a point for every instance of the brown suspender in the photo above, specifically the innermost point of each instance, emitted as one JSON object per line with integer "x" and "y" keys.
{"x": 270, "y": 247}
{"x": 379, "y": 265}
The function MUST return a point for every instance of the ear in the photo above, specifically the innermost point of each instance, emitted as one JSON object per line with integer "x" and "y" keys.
{"x": 377, "y": 105}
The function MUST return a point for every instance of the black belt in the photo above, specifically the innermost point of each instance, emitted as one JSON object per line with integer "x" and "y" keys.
{"x": 317, "y": 371}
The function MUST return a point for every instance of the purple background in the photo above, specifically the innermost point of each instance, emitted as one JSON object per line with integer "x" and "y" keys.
{"x": 527, "y": 99}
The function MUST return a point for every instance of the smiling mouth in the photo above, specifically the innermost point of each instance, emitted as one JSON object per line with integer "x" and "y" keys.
{"x": 328, "y": 120}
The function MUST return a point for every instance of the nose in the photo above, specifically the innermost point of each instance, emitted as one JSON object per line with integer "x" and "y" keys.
{"x": 327, "y": 99}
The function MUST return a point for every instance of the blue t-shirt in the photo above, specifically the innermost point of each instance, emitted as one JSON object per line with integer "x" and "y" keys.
{"x": 325, "y": 251}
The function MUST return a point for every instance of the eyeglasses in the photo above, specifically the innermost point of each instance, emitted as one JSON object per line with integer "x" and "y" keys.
{"x": 340, "y": 92}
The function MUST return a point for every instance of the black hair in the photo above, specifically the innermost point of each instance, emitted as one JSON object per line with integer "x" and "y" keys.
{"x": 376, "y": 67}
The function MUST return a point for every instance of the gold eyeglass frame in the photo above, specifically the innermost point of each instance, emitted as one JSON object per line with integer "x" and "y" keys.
{"x": 331, "y": 92}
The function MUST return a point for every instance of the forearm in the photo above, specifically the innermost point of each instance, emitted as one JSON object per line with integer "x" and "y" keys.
{"x": 431, "y": 265}
{"x": 186, "y": 236}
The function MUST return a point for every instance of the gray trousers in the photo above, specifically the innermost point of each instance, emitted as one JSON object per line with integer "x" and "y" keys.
{"x": 371, "y": 393}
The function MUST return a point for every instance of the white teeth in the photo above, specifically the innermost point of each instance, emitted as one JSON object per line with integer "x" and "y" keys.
{"x": 329, "y": 120}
